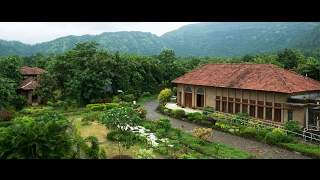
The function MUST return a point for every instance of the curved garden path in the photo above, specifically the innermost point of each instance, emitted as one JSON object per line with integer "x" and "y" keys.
{"x": 250, "y": 146}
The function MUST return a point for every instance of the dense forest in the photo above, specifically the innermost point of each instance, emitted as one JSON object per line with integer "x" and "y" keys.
{"x": 82, "y": 74}
{"x": 206, "y": 39}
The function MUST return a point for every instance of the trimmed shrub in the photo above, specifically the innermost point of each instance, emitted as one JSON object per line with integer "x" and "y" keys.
{"x": 206, "y": 110}
{"x": 249, "y": 132}
{"x": 273, "y": 138}
{"x": 198, "y": 119}
{"x": 277, "y": 136}
{"x": 179, "y": 113}
{"x": 164, "y": 96}
{"x": 191, "y": 115}
{"x": 110, "y": 105}
{"x": 98, "y": 107}
{"x": 101, "y": 106}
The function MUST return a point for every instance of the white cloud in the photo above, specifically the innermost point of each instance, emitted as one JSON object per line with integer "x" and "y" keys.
{"x": 38, "y": 32}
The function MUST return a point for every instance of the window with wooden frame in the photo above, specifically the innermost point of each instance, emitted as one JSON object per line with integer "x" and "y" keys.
{"x": 224, "y": 104}
{"x": 260, "y": 109}
{"x": 244, "y": 106}
{"x": 269, "y": 111}
{"x": 230, "y": 105}
{"x": 200, "y": 98}
{"x": 252, "y": 110}
{"x": 277, "y": 112}
{"x": 237, "y": 105}
{"x": 217, "y": 103}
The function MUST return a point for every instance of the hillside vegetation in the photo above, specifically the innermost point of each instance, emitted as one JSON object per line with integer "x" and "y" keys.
{"x": 206, "y": 39}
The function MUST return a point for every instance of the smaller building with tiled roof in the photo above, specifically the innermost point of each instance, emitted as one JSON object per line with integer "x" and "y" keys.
{"x": 264, "y": 91}
{"x": 30, "y": 83}
{"x": 31, "y": 71}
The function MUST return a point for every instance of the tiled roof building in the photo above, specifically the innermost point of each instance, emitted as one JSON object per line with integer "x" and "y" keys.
{"x": 31, "y": 71}
{"x": 29, "y": 84}
{"x": 264, "y": 91}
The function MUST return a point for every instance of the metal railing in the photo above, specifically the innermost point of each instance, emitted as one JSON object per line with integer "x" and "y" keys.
{"x": 311, "y": 136}
{"x": 305, "y": 133}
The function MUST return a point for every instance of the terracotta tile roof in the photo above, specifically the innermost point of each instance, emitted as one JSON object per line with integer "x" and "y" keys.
{"x": 28, "y": 84}
{"x": 264, "y": 77}
{"x": 28, "y": 71}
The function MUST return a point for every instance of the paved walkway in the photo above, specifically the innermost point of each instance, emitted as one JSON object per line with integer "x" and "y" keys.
{"x": 250, "y": 146}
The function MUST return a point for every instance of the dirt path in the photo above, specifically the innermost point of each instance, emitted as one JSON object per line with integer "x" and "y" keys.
{"x": 250, "y": 146}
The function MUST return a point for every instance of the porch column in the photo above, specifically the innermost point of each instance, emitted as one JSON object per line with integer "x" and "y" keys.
{"x": 307, "y": 116}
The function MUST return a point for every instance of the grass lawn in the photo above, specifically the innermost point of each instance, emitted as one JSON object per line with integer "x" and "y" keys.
{"x": 100, "y": 131}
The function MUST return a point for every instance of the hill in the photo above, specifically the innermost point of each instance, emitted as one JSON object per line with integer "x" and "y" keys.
{"x": 205, "y": 39}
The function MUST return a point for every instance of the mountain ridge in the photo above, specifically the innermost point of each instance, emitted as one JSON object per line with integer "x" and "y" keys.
{"x": 204, "y": 39}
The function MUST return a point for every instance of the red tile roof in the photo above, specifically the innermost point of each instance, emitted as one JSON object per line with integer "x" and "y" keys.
{"x": 28, "y": 84}
{"x": 264, "y": 77}
{"x": 28, "y": 71}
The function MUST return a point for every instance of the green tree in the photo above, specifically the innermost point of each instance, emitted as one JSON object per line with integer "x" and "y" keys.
{"x": 121, "y": 71}
{"x": 308, "y": 66}
{"x": 288, "y": 58}
{"x": 10, "y": 68}
{"x": 121, "y": 118}
{"x": 39, "y": 60}
{"x": 7, "y": 91}
{"x": 171, "y": 69}
{"x": 47, "y": 86}
{"x": 247, "y": 58}
{"x": 82, "y": 72}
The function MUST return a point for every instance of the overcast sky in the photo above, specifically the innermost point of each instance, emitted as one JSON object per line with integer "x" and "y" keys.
{"x": 38, "y": 32}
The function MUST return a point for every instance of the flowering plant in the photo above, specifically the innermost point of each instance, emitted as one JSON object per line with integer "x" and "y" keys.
{"x": 202, "y": 133}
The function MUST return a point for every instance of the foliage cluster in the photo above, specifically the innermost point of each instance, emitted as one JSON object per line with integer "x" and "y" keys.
{"x": 164, "y": 96}
{"x": 28, "y": 138}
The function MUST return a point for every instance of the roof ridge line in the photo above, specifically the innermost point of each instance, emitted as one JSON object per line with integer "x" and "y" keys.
{"x": 285, "y": 83}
